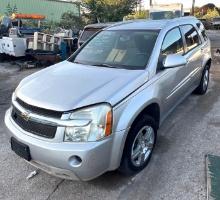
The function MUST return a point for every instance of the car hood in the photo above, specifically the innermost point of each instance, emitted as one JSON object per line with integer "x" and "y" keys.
{"x": 66, "y": 86}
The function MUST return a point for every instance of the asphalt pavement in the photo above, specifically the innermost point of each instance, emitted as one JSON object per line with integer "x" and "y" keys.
{"x": 176, "y": 170}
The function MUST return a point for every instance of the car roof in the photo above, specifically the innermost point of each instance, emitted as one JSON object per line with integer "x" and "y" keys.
{"x": 99, "y": 25}
{"x": 149, "y": 24}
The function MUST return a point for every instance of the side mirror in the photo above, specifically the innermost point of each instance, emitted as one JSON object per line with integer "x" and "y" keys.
{"x": 174, "y": 60}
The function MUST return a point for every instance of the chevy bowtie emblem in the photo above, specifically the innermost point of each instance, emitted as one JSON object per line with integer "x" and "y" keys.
{"x": 25, "y": 116}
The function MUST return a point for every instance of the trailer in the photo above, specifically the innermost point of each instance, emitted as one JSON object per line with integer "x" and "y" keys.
{"x": 36, "y": 47}
{"x": 13, "y": 46}
{"x": 14, "y": 37}
{"x": 166, "y": 11}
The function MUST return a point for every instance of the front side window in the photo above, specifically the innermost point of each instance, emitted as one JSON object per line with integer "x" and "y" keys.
{"x": 191, "y": 36}
{"x": 173, "y": 43}
{"x": 130, "y": 49}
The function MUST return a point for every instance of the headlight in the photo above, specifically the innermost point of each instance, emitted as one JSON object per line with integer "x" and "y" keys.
{"x": 99, "y": 127}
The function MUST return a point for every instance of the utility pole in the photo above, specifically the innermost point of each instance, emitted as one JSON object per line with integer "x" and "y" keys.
{"x": 151, "y": 2}
{"x": 193, "y": 7}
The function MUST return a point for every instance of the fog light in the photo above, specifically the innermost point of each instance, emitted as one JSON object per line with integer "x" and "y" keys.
{"x": 75, "y": 161}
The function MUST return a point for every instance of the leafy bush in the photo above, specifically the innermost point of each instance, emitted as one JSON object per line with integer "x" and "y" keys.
{"x": 70, "y": 21}
{"x": 211, "y": 14}
{"x": 108, "y": 10}
{"x": 144, "y": 14}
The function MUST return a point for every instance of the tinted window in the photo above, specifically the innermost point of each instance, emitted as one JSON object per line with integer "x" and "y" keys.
{"x": 173, "y": 43}
{"x": 130, "y": 49}
{"x": 204, "y": 35}
{"x": 87, "y": 33}
{"x": 191, "y": 36}
{"x": 202, "y": 29}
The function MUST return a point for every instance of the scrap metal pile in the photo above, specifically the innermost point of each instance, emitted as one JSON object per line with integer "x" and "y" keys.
{"x": 19, "y": 41}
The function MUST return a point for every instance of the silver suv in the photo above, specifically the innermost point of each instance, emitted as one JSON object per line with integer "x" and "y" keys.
{"x": 100, "y": 110}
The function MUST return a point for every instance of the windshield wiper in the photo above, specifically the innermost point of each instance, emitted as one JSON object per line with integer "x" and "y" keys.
{"x": 105, "y": 65}
{"x": 77, "y": 62}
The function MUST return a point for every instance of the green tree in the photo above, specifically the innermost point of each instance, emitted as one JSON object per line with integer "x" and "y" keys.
{"x": 15, "y": 9}
{"x": 70, "y": 21}
{"x": 143, "y": 14}
{"x": 10, "y": 10}
{"x": 211, "y": 13}
{"x": 108, "y": 10}
{"x": 197, "y": 12}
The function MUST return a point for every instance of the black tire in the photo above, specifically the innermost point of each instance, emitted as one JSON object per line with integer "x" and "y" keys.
{"x": 127, "y": 166}
{"x": 202, "y": 88}
{"x": 2, "y": 57}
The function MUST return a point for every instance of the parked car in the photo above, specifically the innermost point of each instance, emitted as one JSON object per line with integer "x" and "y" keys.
{"x": 207, "y": 24}
{"x": 216, "y": 22}
{"x": 90, "y": 30}
{"x": 100, "y": 110}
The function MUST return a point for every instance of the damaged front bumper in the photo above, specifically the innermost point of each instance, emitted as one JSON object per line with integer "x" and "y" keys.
{"x": 84, "y": 161}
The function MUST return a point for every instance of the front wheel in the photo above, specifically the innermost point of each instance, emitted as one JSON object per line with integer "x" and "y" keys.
{"x": 139, "y": 146}
{"x": 204, "y": 83}
{"x": 2, "y": 57}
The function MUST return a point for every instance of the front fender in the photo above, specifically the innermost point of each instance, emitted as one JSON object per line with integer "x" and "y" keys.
{"x": 128, "y": 111}
{"x": 124, "y": 116}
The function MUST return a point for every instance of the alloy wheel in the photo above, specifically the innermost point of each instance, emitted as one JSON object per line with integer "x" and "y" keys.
{"x": 206, "y": 79}
{"x": 142, "y": 146}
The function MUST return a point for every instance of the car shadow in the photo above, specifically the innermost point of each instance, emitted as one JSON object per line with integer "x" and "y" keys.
{"x": 111, "y": 180}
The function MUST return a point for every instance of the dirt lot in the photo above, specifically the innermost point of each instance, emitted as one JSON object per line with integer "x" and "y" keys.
{"x": 176, "y": 171}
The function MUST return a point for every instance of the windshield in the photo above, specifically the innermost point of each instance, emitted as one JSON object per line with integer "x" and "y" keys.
{"x": 87, "y": 33}
{"x": 130, "y": 49}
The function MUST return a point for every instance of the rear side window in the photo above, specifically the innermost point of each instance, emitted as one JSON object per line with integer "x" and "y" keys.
{"x": 191, "y": 36}
{"x": 173, "y": 43}
{"x": 204, "y": 35}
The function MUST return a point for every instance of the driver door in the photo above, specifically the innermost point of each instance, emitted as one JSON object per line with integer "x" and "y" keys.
{"x": 173, "y": 81}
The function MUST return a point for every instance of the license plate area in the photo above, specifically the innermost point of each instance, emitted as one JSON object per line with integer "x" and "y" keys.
{"x": 20, "y": 149}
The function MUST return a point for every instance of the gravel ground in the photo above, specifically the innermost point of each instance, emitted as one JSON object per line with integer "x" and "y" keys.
{"x": 176, "y": 171}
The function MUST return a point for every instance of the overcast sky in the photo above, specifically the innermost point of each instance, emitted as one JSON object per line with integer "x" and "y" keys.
{"x": 186, "y": 3}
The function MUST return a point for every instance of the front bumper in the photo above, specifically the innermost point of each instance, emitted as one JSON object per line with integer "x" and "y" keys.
{"x": 58, "y": 159}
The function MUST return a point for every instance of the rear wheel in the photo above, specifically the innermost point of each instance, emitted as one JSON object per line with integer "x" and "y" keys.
{"x": 139, "y": 146}
{"x": 204, "y": 83}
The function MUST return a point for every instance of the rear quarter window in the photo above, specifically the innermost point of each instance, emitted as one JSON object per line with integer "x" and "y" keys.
{"x": 202, "y": 29}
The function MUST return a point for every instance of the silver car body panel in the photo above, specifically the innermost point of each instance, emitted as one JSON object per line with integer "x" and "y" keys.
{"x": 67, "y": 86}
{"x": 85, "y": 85}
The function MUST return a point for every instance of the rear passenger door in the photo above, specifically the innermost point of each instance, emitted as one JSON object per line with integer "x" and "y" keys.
{"x": 193, "y": 54}
{"x": 205, "y": 47}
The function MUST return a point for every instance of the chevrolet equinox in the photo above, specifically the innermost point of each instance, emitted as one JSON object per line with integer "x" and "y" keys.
{"x": 100, "y": 110}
